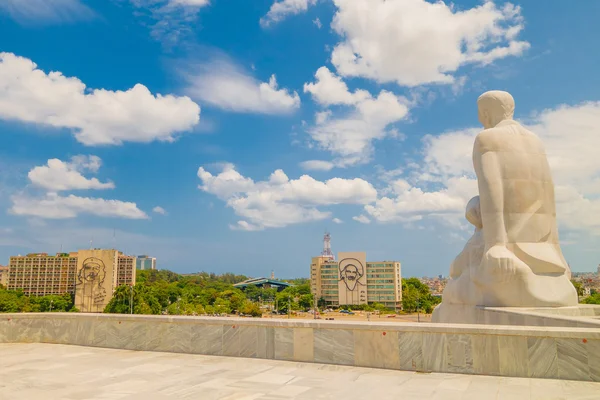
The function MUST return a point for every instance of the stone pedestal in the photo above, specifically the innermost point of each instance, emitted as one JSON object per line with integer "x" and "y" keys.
{"x": 580, "y": 316}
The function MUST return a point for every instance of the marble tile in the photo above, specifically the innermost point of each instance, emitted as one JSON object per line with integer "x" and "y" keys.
{"x": 81, "y": 332}
{"x": 284, "y": 344}
{"x": 119, "y": 334}
{"x": 57, "y": 330}
{"x": 460, "y": 353}
{"x": 99, "y": 328}
{"x": 334, "y": 346}
{"x": 593, "y": 351}
{"x": 25, "y": 330}
{"x": 304, "y": 344}
{"x": 170, "y": 337}
{"x": 265, "y": 343}
{"x": 207, "y": 339}
{"x": 154, "y": 336}
{"x": 513, "y": 356}
{"x": 4, "y": 322}
{"x": 485, "y": 354}
{"x": 376, "y": 349}
{"x": 231, "y": 340}
{"x": 573, "y": 359}
{"x": 249, "y": 341}
{"x": 542, "y": 357}
{"x": 435, "y": 352}
{"x": 410, "y": 346}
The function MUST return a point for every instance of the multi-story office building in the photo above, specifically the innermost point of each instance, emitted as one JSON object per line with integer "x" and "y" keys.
{"x": 91, "y": 275}
{"x": 352, "y": 280}
{"x": 3, "y": 276}
{"x": 144, "y": 262}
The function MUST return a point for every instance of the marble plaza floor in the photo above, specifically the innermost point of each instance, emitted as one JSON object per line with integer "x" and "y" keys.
{"x": 46, "y": 371}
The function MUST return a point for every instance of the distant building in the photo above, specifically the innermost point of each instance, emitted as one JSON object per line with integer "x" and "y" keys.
{"x": 144, "y": 262}
{"x": 91, "y": 275}
{"x": 352, "y": 280}
{"x": 263, "y": 283}
{"x": 3, "y": 276}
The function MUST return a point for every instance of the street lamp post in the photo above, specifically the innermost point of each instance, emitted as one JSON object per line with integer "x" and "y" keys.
{"x": 418, "y": 304}
{"x": 131, "y": 299}
{"x": 51, "y": 305}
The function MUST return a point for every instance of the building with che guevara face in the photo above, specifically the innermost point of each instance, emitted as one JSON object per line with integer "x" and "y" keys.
{"x": 90, "y": 275}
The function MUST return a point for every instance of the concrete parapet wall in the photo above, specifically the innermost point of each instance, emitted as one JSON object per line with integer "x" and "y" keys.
{"x": 517, "y": 351}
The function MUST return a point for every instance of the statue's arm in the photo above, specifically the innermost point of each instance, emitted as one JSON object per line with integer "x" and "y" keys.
{"x": 491, "y": 190}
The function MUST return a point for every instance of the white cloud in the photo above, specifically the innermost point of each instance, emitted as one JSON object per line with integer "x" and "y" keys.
{"x": 349, "y": 135}
{"x": 382, "y": 41}
{"x": 281, "y": 9}
{"x": 362, "y": 219}
{"x": 445, "y": 180}
{"x": 279, "y": 201}
{"x": 317, "y": 165}
{"x": 318, "y": 23}
{"x": 170, "y": 20}
{"x": 46, "y": 11}
{"x": 53, "y": 206}
{"x": 224, "y": 85}
{"x": 337, "y": 221}
{"x": 159, "y": 210}
{"x": 59, "y": 176}
{"x": 332, "y": 90}
{"x": 96, "y": 117}
{"x": 190, "y": 3}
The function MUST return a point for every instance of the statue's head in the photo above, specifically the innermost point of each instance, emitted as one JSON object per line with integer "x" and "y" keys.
{"x": 494, "y": 107}
{"x": 473, "y": 213}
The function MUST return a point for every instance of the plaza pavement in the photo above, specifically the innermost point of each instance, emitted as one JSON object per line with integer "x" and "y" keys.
{"x": 48, "y": 371}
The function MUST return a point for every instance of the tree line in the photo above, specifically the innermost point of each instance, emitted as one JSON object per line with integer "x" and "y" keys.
{"x": 166, "y": 292}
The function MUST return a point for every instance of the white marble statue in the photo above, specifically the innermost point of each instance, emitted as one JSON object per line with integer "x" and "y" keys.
{"x": 514, "y": 258}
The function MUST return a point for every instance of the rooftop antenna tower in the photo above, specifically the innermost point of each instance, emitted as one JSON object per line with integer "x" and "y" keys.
{"x": 327, "y": 246}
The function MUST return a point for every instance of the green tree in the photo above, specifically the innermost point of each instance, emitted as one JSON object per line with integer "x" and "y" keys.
{"x": 222, "y": 306}
{"x": 592, "y": 299}
{"x": 416, "y": 295}
{"x": 305, "y": 301}
{"x": 251, "y": 308}
{"x": 579, "y": 288}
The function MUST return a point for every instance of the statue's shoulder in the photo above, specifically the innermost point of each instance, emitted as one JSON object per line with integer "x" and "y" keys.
{"x": 505, "y": 136}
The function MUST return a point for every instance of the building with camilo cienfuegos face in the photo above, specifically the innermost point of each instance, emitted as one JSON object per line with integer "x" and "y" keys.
{"x": 353, "y": 281}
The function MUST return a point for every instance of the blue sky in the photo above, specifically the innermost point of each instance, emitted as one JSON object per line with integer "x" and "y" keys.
{"x": 229, "y": 135}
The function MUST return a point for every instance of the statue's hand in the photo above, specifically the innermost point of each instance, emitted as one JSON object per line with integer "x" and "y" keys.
{"x": 500, "y": 265}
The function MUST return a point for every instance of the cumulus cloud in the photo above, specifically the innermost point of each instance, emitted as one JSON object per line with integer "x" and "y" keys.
{"x": 381, "y": 41}
{"x": 349, "y": 134}
{"x": 222, "y": 84}
{"x": 280, "y": 201}
{"x": 282, "y": 9}
{"x": 317, "y": 165}
{"x": 59, "y": 175}
{"x": 46, "y": 11}
{"x": 97, "y": 116}
{"x": 442, "y": 184}
{"x": 54, "y": 206}
{"x": 337, "y": 221}
{"x": 362, "y": 219}
{"x": 159, "y": 210}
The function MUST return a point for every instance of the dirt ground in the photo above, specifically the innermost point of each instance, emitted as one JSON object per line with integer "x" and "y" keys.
{"x": 359, "y": 317}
